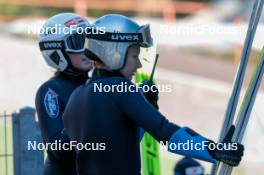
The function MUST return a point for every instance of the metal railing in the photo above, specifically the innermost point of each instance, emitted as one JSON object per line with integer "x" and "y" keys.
{"x": 6, "y": 153}
{"x": 168, "y": 8}
{"x": 15, "y": 131}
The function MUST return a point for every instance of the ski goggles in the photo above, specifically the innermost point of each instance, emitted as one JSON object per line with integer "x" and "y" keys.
{"x": 142, "y": 36}
{"x": 147, "y": 40}
{"x": 74, "y": 43}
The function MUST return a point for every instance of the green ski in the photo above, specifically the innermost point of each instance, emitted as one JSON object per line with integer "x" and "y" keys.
{"x": 149, "y": 146}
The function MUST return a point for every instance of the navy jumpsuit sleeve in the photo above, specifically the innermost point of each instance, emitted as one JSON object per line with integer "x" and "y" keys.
{"x": 135, "y": 106}
{"x": 50, "y": 108}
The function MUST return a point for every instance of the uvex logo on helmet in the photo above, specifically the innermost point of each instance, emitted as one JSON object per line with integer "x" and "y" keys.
{"x": 122, "y": 37}
{"x": 50, "y": 45}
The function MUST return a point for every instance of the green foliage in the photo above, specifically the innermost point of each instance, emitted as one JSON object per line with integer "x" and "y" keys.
{"x": 12, "y": 10}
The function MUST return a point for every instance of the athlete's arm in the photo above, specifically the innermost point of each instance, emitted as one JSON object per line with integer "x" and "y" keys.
{"x": 50, "y": 109}
{"x": 136, "y": 107}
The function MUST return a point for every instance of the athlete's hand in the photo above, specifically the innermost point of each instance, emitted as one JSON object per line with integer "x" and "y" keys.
{"x": 232, "y": 156}
{"x": 152, "y": 95}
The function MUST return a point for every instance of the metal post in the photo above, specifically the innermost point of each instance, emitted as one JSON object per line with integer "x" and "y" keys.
{"x": 232, "y": 104}
{"x": 30, "y": 162}
{"x": 5, "y": 135}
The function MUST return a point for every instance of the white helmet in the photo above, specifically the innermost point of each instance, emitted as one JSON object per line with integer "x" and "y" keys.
{"x": 120, "y": 33}
{"x": 63, "y": 33}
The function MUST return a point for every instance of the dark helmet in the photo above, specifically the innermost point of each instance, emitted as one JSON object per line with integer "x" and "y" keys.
{"x": 188, "y": 166}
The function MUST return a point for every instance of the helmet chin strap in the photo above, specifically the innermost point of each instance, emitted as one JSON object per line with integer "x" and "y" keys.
{"x": 74, "y": 72}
